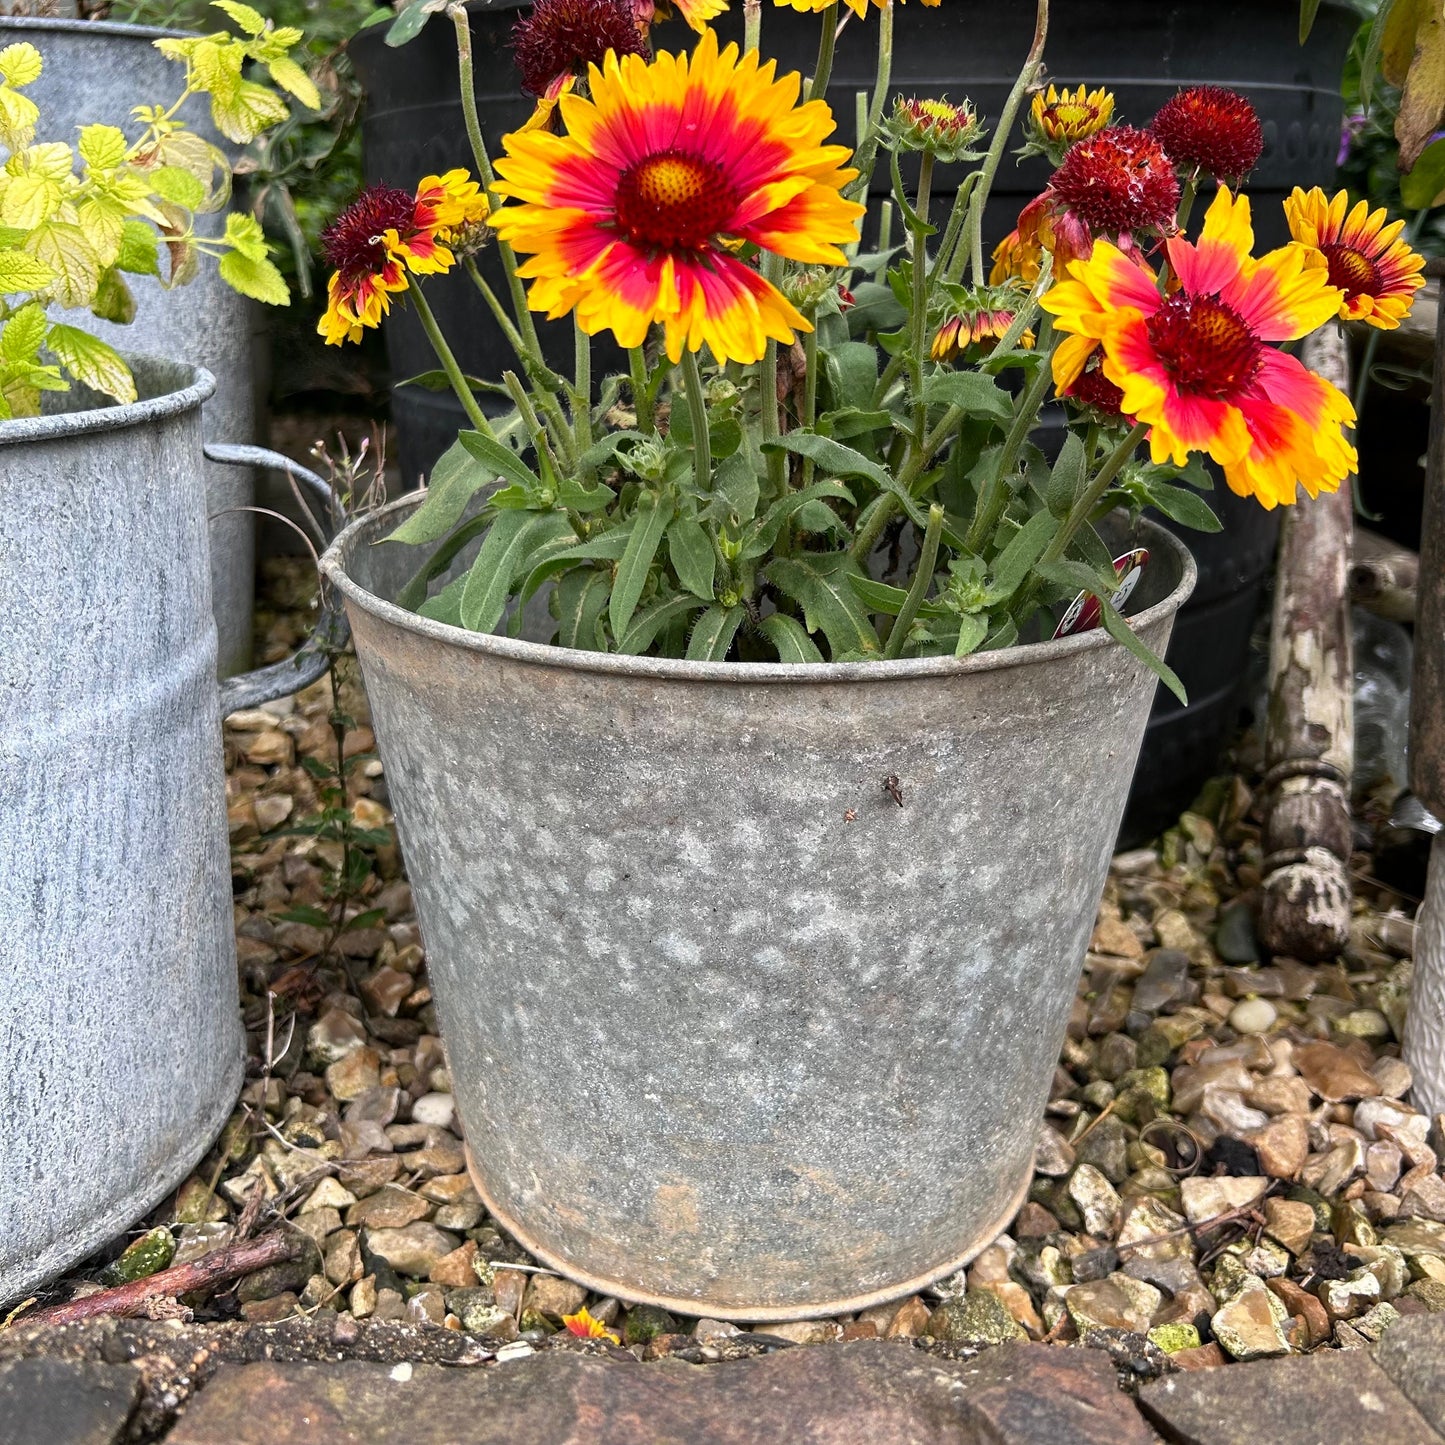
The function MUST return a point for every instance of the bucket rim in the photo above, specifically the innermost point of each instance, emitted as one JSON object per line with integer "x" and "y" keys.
{"x": 66, "y": 425}
{"x": 674, "y": 669}
{"x": 61, "y": 23}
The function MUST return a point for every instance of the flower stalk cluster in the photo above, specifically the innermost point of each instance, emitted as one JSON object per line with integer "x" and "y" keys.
{"x": 795, "y": 403}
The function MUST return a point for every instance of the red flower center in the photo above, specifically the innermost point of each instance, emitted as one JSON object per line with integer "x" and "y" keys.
{"x": 352, "y": 243}
{"x": 563, "y": 37}
{"x": 1351, "y": 270}
{"x": 1205, "y": 346}
{"x": 674, "y": 200}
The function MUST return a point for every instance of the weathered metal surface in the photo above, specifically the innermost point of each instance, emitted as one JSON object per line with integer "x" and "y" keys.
{"x": 1424, "y": 1043}
{"x": 1310, "y": 733}
{"x": 120, "y": 1042}
{"x": 95, "y": 72}
{"x": 727, "y": 1026}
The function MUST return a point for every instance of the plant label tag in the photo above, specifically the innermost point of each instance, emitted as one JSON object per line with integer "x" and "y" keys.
{"x": 1084, "y": 612}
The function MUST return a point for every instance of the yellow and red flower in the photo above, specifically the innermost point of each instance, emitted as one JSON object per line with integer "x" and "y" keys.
{"x": 1117, "y": 181}
{"x": 1017, "y": 258}
{"x": 1194, "y": 363}
{"x": 697, "y": 13}
{"x": 981, "y": 325}
{"x": 858, "y": 7}
{"x": 1375, "y": 270}
{"x": 634, "y": 215}
{"x": 384, "y": 234}
{"x": 1209, "y": 129}
{"x": 588, "y": 1327}
{"x": 1070, "y": 115}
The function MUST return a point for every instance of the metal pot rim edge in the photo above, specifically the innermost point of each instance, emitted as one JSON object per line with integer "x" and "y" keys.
{"x": 671, "y": 669}
{"x": 69, "y": 424}
{"x": 54, "y": 23}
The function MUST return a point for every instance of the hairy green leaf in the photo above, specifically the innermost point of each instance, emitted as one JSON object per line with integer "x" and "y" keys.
{"x": 713, "y": 634}
{"x": 821, "y": 584}
{"x": 693, "y": 558}
{"x": 790, "y": 638}
{"x": 509, "y": 544}
{"x": 647, "y": 532}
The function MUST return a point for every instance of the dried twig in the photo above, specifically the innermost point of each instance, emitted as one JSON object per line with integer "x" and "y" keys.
{"x": 126, "y": 1301}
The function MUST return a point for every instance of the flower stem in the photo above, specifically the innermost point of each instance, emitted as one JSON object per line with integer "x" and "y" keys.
{"x": 697, "y": 408}
{"x": 752, "y": 24}
{"x": 637, "y": 367}
{"x": 920, "y": 293}
{"x": 922, "y": 581}
{"x": 1186, "y": 200}
{"x": 582, "y": 391}
{"x": 770, "y": 419}
{"x": 449, "y": 363}
{"x": 1001, "y": 134}
{"x": 810, "y": 387}
{"x": 823, "y": 71}
{"x": 868, "y": 144}
{"x": 1088, "y": 499}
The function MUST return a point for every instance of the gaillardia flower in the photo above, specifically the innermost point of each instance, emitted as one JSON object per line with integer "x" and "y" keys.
{"x": 634, "y": 215}
{"x": 588, "y": 1326}
{"x": 1209, "y": 129}
{"x": 1015, "y": 258}
{"x": 559, "y": 39}
{"x": 936, "y": 127}
{"x": 1194, "y": 363}
{"x": 981, "y": 323}
{"x": 858, "y": 7}
{"x": 381, "y": 236}
{"x": 1377, "y": 271}
{"x": 1093, "y": 391}
{"x": 1061, "y": 117}
{"x": 697, "y": 13}
{"x": 1118, "y": 180}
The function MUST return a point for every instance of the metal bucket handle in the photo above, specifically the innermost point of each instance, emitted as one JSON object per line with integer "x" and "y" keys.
{"x": 310, "y": 661}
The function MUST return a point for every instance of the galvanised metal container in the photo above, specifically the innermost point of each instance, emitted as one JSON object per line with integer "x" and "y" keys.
{"x": 752, "y": 976}
{"x": 95, "y": 72}
{"x": 120, "y": 1036}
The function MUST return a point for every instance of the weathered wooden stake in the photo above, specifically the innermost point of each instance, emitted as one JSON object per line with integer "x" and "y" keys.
{"x": 1424, "y": 1044}
{"x": 1309, "y": 735}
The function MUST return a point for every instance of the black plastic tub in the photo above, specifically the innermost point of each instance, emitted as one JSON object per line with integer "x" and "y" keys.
{"x": 1143, "y": 50}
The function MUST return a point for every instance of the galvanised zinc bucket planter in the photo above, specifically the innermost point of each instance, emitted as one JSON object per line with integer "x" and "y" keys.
{"x": 729, "y": 1029}
{"x": 120, "y": 1039}
{"x": 96, "y": 71}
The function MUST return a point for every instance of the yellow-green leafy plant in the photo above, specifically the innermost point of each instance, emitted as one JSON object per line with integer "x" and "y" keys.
{"x": 77, "y": 220}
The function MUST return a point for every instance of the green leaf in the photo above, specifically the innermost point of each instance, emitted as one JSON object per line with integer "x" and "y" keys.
{"x": 713, "y": 635}
{"x": 65, "y": 249}
{"x": 180, "y": 187}
{"x": 113, "y": 299}
{"x": 1181, "y": 505}
{"x": 790, "y": 639}
{"x": 647, "y": 532}
{"x": 1307, "y": 11}
{"x": 1012, "y": 565}
{"x": 977, "y": 394}
{"x": 139, "y": 250}
{"x": 577, "y": 498}
{"x": 370, "y": 919}
{"x": 20, "y": 271}
{"x": 101, "y": 147}
{"x": 251, "y": 22}
{"x": 734, "y": 492}
{"x": 578, "y": 602}
{"x": 413, "y": 595}
{"x": 651, "y": 620}
{"x": 454, "y": 479}
{"x": 408, "y": 25}
{"x": 502, "y": 459}
{"x": 21, "y": 64}
{"x": 693, "y": 558}
{"x": 438, "y": 380}
{"x": 559, "y": 555}
{"x": 852, "y": 371}
{"x": 244, "y": 114}
{"x": 764, "y": 533}
{"x": 831, "y": 457}
{"x": 305, "y": 913}
{"x": 290, "y": 77}
{"x": 972, "y": 629}
{"x": 260, "y": 280}
{"x": 1118, "y": 628}
{"x": 21, "y": 336}
{"x": 90, "y": 361}
{"x": 879, "y": 596}
{"x": 1066, "y": 481}
{"x": 1422, "y": 185}
{"x": 511, "y": 540}
{"x": 821, "y": 584}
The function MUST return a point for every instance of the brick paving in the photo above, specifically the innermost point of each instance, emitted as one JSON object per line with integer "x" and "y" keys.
{"x": 110, "y": 1382}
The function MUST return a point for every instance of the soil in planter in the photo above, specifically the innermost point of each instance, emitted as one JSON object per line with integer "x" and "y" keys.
{"x": 1225, "y": 1167}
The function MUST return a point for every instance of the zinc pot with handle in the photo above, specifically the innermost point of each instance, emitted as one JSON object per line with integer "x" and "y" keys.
{"x": 121, "y": 1048}
{"x": 752, "y": 976}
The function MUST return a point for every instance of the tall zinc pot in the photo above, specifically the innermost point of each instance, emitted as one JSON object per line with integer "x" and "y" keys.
{"x": 95, "y": 72}
{"x": 120, "y": 1039}
{"x": 752, "y": 976}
